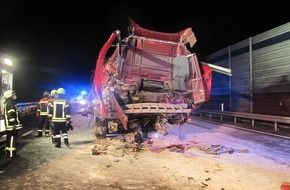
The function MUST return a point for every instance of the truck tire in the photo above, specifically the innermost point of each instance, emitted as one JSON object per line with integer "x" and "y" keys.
{"x": 101, "y": 128}
{"x": 100, "y": 132}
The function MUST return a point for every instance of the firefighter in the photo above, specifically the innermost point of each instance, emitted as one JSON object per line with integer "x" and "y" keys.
{"x": 59, "y": 114}
{"x": 42, "y": 115}
{"x": 53, "y": 95}
{"x": 11, "y": 121}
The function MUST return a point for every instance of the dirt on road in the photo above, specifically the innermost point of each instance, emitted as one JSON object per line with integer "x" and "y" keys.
{"x": 189, "y": 158}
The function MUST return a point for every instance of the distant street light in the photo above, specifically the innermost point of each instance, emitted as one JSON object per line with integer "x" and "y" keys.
{"x": 83, "y": 92}
{"x": 8, "y": 62}
{"x": 6, "y": 74}
{"x": 4, "y": 62}
{"x": 6, "y": 81}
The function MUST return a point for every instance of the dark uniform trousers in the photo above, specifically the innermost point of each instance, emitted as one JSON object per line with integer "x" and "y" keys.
{"x": 60, "y": 129}
{"x": 11, "y": 138}
{"x": 43, "y": 121}
{"x": 59, "y": 113}
{"x": 12, "y": 124}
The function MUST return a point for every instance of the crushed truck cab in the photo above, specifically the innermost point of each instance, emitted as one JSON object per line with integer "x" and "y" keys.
{"x": 150, "y": 79}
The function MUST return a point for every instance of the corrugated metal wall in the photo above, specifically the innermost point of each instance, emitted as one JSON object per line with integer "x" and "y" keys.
{"x": 261, "y": 74}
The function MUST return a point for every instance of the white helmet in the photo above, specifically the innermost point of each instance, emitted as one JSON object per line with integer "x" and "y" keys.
{"x": 46, "y": 94}
{"x": 53, "y": 93}
{"x": 8, "y": 94}
{"x": 60, "y": 91}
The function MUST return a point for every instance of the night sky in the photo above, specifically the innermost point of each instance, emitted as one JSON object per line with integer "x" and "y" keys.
{"x": 56, "y": 43}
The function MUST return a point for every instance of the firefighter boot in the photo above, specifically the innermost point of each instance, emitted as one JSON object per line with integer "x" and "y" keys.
{"x": 39, "y": 134}
{"x": 47, "y": 133}
{"x": 57, "y": 143}
{"x": 52, "y": 139}
{"x": 66, "y": 142}
{"x": 7, "y": 152}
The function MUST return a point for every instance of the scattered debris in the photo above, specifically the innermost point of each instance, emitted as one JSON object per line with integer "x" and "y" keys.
{"x": 118, "y": 146}
{"x": 204, "y": 184}
{"x": 190, "y": 179}
{"x": 220, "y": 149}
{"x": 125, "y": 142}
{"x": 180, "y": 148}
{"x": 98, "y": 149}
{"x": 285, "y": 186}
{"x": 149, "y": 141}
{"x": 176, "y": 148}
{"x": 137, "y": 147}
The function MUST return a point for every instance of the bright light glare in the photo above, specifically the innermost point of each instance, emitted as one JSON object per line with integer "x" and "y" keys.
{"x": 8, "y": 62}
{"x": 83, "y": 102}
{"x": 83, "y": 92}
{"x": 4, "y": 71}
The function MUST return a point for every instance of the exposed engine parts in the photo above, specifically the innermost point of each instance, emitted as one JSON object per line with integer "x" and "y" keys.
{"x": 150, "y": 80}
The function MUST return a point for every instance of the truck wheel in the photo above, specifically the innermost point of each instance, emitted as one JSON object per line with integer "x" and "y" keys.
{"x": 101, "y": 132}
{"x": 101, "y": 128}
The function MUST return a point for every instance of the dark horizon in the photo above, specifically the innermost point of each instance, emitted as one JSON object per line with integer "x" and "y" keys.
{"x": 56, "y": 44}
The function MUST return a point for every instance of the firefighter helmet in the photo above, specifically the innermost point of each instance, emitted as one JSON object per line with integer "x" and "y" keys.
{"x": 8, "y": 94}
{"x": 45, "y": 94}
{"x": 60, "y": 91}
{"x": 53, "y": 93}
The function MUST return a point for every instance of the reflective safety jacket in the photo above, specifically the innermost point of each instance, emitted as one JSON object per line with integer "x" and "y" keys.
{"x": 11, "y": 115}
{"x": 59, "y": 110}
{"x": 42, "y": 108}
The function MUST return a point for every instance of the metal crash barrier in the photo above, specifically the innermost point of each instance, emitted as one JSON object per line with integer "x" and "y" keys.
{"x": 27, "y": 108}
{"x": 254, "y": 118}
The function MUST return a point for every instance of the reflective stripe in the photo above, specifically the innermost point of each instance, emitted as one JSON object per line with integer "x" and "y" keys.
{"x": 11, "y": 148}
{"x": 58, "y": 120}
{"x": 64, "y": 135}
{"x": 17, "y": 117}
{"x": 43, "y": 106}
{"x": 11, "y": 110}
{"x": 58, "y": 110}
{"x": 12, "y": 119}
{"x": 9, "y": 128}
{"x": 11, "y": 142}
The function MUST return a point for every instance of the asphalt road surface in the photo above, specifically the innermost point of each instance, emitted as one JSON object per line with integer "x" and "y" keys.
{"x": 200, "y": 155}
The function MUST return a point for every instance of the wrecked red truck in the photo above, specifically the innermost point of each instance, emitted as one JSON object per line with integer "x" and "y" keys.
{"x": 148, "y": 80}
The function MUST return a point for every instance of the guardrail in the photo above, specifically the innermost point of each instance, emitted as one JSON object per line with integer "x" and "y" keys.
{"x": 27, "y": 108}
{"x": 253, "y": 117}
